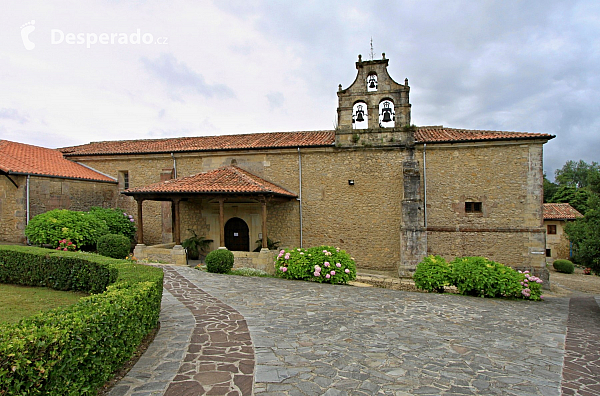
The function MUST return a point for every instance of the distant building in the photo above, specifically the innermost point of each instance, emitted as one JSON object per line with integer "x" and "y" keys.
{"x": 386, "y": 191}
{"x": 556, "y": 216}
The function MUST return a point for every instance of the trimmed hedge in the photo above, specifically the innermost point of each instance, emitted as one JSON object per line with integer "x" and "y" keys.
{"x": 74, "y": 350}
{"x": 114, "y": 245}
{"x": 564, "y": 266}
{"x": 219, "y": 261}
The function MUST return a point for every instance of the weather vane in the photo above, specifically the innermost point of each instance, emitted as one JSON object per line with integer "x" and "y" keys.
{"x": 371, "y": 54}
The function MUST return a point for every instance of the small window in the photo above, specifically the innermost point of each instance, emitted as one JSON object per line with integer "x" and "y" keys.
{"x": 548, "y": 252}
{"x": 472, "y": 207}
{"x": 552, "y": 229}
{"x": 124, "y": 180}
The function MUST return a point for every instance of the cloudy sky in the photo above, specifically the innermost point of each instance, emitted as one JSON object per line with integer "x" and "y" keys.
{"x": 72, "y": 72}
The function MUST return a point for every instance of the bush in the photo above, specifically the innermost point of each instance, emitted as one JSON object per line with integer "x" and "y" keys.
{"x": 219, "y": 261}
{"x": 319, "y": 264}
{"x": 74, "y": 350}
{"x": 477, "y": 276}
{"x": 117, "y": 221}
{"x": 432, "y": 274}
{"x": 82, "y": 228}
{"x": 564, "y": 266}
{"x": 114, "y": 245}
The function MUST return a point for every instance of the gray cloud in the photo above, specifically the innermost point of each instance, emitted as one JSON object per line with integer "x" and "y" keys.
{"x": 275, "y": 99}
{"x": 13, "y": 114}
{"x": 180, "y": 79}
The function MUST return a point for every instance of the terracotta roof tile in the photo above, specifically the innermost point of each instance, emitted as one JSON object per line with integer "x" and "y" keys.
{"x": 560, "y": 211}
{"x": 224, "y": 180}
{"x": 440, "y": 134}
{"x": 19, "y": 158}
{"x": 206, "y": 143}
{"x": 425, "y": 134}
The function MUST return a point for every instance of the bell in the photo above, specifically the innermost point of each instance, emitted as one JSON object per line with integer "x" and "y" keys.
{"x": 359, "y": 116}
{"x": 372, "y": 84}
{"x": 386, "y": 117}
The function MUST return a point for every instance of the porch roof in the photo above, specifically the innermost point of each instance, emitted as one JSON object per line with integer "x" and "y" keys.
{"x": 227, "y": 180}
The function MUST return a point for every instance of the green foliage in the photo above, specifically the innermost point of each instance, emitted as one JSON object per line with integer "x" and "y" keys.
{"x": 249, "y": 272}
{"x": 82, "y": 228}
{"x": 114, "y": 245}
{"x": 564, "y": 266}
{"x": 355, "y": 138}
{"x": 219, "y": 261}
{"x": 318, "y": 264}
{"x": 550, "y": 189}
{"x": 578, "y": 174}
{"x": 271, "y": 244}
{"x": 118, "y": 222}
{"x": 74, "y": 350}
{"x": 577, "y": 197}
{"x": 195, "y": 245}
{"x": 432, "y": 274}
{"x": 584, "y": 233}
{"x": 477, "y": 276}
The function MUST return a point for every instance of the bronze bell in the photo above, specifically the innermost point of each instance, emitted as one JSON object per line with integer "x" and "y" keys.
{"x": 359, "y": 116}
{"x": 372, "y": 84}
{"x": 386, "y": 116}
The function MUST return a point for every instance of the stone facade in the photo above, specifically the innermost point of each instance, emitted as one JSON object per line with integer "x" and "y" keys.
{"x": 377, "y": 191}
{"x": 47, "y": 193}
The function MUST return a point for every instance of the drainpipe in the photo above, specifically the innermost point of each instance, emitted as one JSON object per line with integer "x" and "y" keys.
{"x": 424, "y": 185}
{"x": 27, "y": 205}
{"x": 174, "y": 166}
{"x": 300, "y": 192}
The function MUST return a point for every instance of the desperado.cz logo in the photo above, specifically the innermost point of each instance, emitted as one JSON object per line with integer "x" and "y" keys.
{"x": 57, "y": 36}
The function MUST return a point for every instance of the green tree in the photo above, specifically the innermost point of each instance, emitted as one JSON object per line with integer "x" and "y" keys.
{"x": 550, "y": 189}
{"x": 584, "y": 233}
{"x": 577, "y": 174}
{"x": 577, "y": 197}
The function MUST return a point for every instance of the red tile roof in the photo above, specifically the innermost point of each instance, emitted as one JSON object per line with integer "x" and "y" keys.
{"x": 440, "y": 134}
{"x": 224, "y": 180}
{"x": 19, "y": 158}
{"x": 560, "y": 211}
{"x": 425, "y": 134}
{"x": 206, "y": 143}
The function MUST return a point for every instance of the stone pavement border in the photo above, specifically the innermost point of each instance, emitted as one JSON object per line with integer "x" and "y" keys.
{"x": 581, "y": 369}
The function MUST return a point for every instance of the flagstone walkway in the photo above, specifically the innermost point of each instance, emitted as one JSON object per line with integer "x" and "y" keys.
{"x": 229, "y": 335}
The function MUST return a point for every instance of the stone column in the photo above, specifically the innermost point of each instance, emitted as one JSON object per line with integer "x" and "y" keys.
{"x": 166, "y": 211}
{"x": 222, "y": 222}
{"x": 413, "y": 235}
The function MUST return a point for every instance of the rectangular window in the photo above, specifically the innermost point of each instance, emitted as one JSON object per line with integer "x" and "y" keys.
{"x": 551, "y": 229}
{"x": 124, "y": 180}
{"x": 472, "y": 207}
{"x": 548, "y": 252}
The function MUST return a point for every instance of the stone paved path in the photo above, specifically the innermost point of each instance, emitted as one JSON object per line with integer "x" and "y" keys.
{"x": 315, "y": 339}
{"x": 581, "y": 371}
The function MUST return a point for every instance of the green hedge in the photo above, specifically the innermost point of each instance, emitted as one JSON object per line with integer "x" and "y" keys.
{"x": 74, "y": 350}
{"x": 564, "y": 266}
{"x": 219, "y": 261}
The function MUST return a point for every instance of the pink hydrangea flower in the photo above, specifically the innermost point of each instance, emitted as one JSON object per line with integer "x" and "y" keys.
{"x": 284, "y": 269}
{"x": 324, "y": 251}
{"x": 317, "y": 268}
{"x": 347, "y": 271}
{"x": 326, "y": 263}
{"x": 301, "y": 252}
{"x": 317, "y": 273}
{"x": 332, "y": 273}
{"x": 327, "y": 276}
{"x": 287, "y": 256}
{"x": 338, "y": 265}
{"x": 132, "y": 220}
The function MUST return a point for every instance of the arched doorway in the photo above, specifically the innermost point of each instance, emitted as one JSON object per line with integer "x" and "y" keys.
{"x": 237, "y": 235}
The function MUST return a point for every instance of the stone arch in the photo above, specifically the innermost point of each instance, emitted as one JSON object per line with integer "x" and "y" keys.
{"x": 237, "y": 235}
{"x": 387, "y": 113}
{"x": 360, "y": 116}
{"x": 372, "y": 83}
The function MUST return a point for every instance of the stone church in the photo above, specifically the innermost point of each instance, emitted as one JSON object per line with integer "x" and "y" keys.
{"x": 377, "y": 186}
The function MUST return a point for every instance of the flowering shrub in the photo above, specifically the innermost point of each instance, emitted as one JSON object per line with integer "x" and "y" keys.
{"x": 477, "y": 276}
{"x": 319, "y": 264}
{"x": 66, "y": 245}
{"x": 118, "y": 222}
{"x": 432, "y": 274}
{"x": 587, "y": 271}
{"x": 131, "y": 258}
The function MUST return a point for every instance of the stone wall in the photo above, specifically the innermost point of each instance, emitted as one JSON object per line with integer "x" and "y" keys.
{"x": 507, "y": 179}
{"x": 45, "y": 194}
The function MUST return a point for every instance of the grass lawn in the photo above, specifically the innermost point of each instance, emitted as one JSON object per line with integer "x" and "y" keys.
{"x": 18, "y": 302}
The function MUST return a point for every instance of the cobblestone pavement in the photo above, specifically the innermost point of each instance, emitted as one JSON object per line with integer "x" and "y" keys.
{"x": 317, "y": 339}
{"x": 581, "y": 371}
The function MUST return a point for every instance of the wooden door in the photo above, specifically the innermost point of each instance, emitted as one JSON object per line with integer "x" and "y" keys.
{"x": 237, "y": 235}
